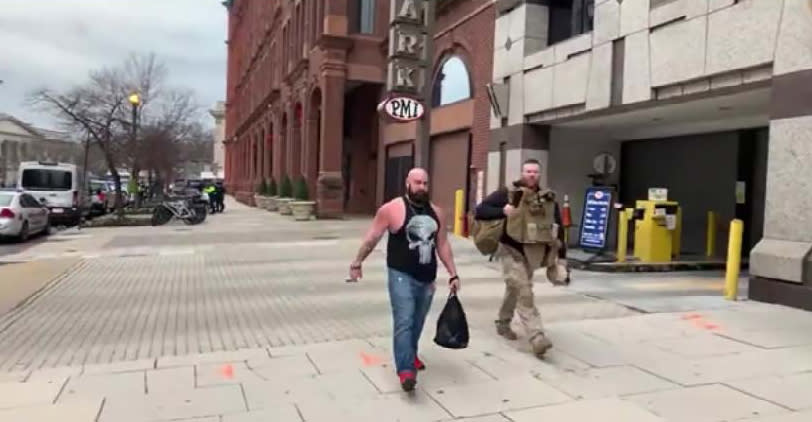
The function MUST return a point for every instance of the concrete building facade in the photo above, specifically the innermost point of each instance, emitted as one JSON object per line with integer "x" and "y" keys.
{"x": 711, "y": 99}
{"x": 20, "y": 141}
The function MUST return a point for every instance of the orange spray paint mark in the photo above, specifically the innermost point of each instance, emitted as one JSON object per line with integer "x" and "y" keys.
{"x": 691, "y": 316}
{"x": 370, "y": 360}
{"x": 227, "y": 371}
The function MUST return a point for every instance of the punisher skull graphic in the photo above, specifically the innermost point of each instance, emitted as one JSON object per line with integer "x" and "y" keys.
{"x": 421, "y": 232}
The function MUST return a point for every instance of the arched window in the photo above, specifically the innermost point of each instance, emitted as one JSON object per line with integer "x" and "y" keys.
{"x": 453, "y": 83}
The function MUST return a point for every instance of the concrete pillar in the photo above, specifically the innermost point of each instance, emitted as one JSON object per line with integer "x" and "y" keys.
{"x": 330, "y": 190}
{"x": 267, "y": 155}
{"x": 781, "y": 263}
{"x": 520, "y": 29}
{"x": 312, "y": 145}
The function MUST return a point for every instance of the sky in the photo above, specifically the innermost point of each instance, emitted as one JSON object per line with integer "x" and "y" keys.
{"x": 55, "y": 43}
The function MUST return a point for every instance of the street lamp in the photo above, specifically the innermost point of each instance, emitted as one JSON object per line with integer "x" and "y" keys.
{"x": 135, "y": 101}
{"x": 86, "y": 185}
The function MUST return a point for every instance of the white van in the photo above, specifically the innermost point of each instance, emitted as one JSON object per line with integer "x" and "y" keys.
{"x": 55, "y": 185}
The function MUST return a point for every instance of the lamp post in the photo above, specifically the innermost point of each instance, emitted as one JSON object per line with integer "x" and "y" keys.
{"x": 135, "y": 101}
{"x": 83, "y": 194}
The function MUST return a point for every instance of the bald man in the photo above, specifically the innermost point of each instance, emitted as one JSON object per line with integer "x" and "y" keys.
{"x": 417, "y": 237}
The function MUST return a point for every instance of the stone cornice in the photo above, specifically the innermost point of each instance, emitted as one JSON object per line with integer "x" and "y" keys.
{"x": 334, "y": 42}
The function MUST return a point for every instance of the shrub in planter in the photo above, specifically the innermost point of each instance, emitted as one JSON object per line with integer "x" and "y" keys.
{"x": 302, "y": 207}
{"x": 285, "y": 196}
{"x": 286, "y": 188}
{"x": 272, "y": 188}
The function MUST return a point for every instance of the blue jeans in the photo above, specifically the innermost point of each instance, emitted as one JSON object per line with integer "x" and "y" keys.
{"x": 411, "y": 301}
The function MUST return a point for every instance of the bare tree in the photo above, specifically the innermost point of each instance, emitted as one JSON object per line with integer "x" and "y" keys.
{"x": 166, "y": 118}
{"x": 92, "y": 109}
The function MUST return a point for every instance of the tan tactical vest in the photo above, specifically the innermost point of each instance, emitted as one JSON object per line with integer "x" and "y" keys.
{"x": 534, "y": 221}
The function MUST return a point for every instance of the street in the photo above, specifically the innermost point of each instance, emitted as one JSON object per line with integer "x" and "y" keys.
{"x": 248, "y": 317}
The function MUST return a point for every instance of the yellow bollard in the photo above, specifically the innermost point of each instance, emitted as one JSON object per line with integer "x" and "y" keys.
{"x": 734, "y": 249}
{"x": 459, "y": 203}
{"x": 710, "y": 237}
{"x": 622, "y": 235}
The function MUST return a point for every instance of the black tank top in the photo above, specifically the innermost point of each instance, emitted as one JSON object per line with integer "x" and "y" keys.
{"x": 412, "y": 248}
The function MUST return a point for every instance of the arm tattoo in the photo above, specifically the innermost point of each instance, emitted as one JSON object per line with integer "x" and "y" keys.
{"x": 366, "y": 248}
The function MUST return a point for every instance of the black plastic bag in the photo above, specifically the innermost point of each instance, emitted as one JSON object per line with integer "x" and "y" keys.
{"x": 452, "y": 326}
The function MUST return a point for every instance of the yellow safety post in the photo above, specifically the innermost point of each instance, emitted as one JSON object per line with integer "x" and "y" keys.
{"x": 710, "y": 237}
{"x": 622, "y": 236}
{"x": 459, "y": 202}
{"x": 734, "y": 249}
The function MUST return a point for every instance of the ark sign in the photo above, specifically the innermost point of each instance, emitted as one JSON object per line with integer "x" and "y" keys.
{"x": 403, "y": 109}
{"x": 408, "y": 38}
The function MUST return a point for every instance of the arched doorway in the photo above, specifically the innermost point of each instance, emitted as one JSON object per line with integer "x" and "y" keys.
{"x": 269, "y": 151}
{"x": 283, "y": 149}
{"x": 296, "y": 158}
{"x": 255, "y": 163}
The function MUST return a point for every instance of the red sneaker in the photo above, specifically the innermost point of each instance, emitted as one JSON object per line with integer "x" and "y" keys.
{"x": 418, "y": 364}
{"x": 407, "y": 380}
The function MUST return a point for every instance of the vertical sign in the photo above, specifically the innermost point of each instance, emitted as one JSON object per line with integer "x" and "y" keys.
{"x": 409, "y": 66}
{"x": 595, "y": 218}
{"x": 408, "y": 52}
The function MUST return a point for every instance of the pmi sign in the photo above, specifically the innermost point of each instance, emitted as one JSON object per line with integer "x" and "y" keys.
{"x": 402, "y": 109}
{"x": 408, "y": 34}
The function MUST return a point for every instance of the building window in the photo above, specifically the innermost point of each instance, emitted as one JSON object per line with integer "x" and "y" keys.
{"x": 569, "y": 18}
{"x": 366, "y": 16}
{"x": 452, "y": 84}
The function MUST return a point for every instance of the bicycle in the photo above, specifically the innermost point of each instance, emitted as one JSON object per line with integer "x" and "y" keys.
{"x": 191, "y": 211}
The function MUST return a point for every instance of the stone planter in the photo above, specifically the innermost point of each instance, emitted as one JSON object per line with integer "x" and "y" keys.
{"x": 283, "y": 204}
{"x": 258, "y": 199}
{"x": 303, "y": 210}
{"x": 271, "y": 204}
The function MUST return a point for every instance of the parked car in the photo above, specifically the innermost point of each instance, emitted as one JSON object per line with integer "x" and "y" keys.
{"x": 21, "y": 215}
{"x": 97, "y": 191}
{"x": 55, "y": 185}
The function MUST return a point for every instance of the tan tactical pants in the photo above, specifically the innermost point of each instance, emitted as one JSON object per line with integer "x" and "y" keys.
{"x": 518, "y": 276}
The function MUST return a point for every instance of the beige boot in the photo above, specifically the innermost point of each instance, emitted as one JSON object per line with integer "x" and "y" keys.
{"x": 540, "y": 344}
{"x": 503, "y": 329}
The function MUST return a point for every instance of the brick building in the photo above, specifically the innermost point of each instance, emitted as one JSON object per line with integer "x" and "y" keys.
{"x": 305, "y": 78}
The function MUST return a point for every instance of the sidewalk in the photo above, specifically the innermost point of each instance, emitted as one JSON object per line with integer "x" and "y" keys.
{"x": 161, "y": 324}
{"x": 748, "y": 363}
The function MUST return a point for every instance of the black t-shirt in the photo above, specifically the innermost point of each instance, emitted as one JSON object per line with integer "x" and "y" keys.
{"x": 412, "y": 249}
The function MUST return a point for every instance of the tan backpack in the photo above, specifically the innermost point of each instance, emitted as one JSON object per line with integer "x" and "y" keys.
{"x": 486, "y": 234}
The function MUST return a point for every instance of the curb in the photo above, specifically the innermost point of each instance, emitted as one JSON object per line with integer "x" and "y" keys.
{"x": 640, "y": 267}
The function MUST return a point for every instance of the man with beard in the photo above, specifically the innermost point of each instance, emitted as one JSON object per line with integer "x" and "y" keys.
{"x": 530, "y": 239}
{"x": 417, "y": 236}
